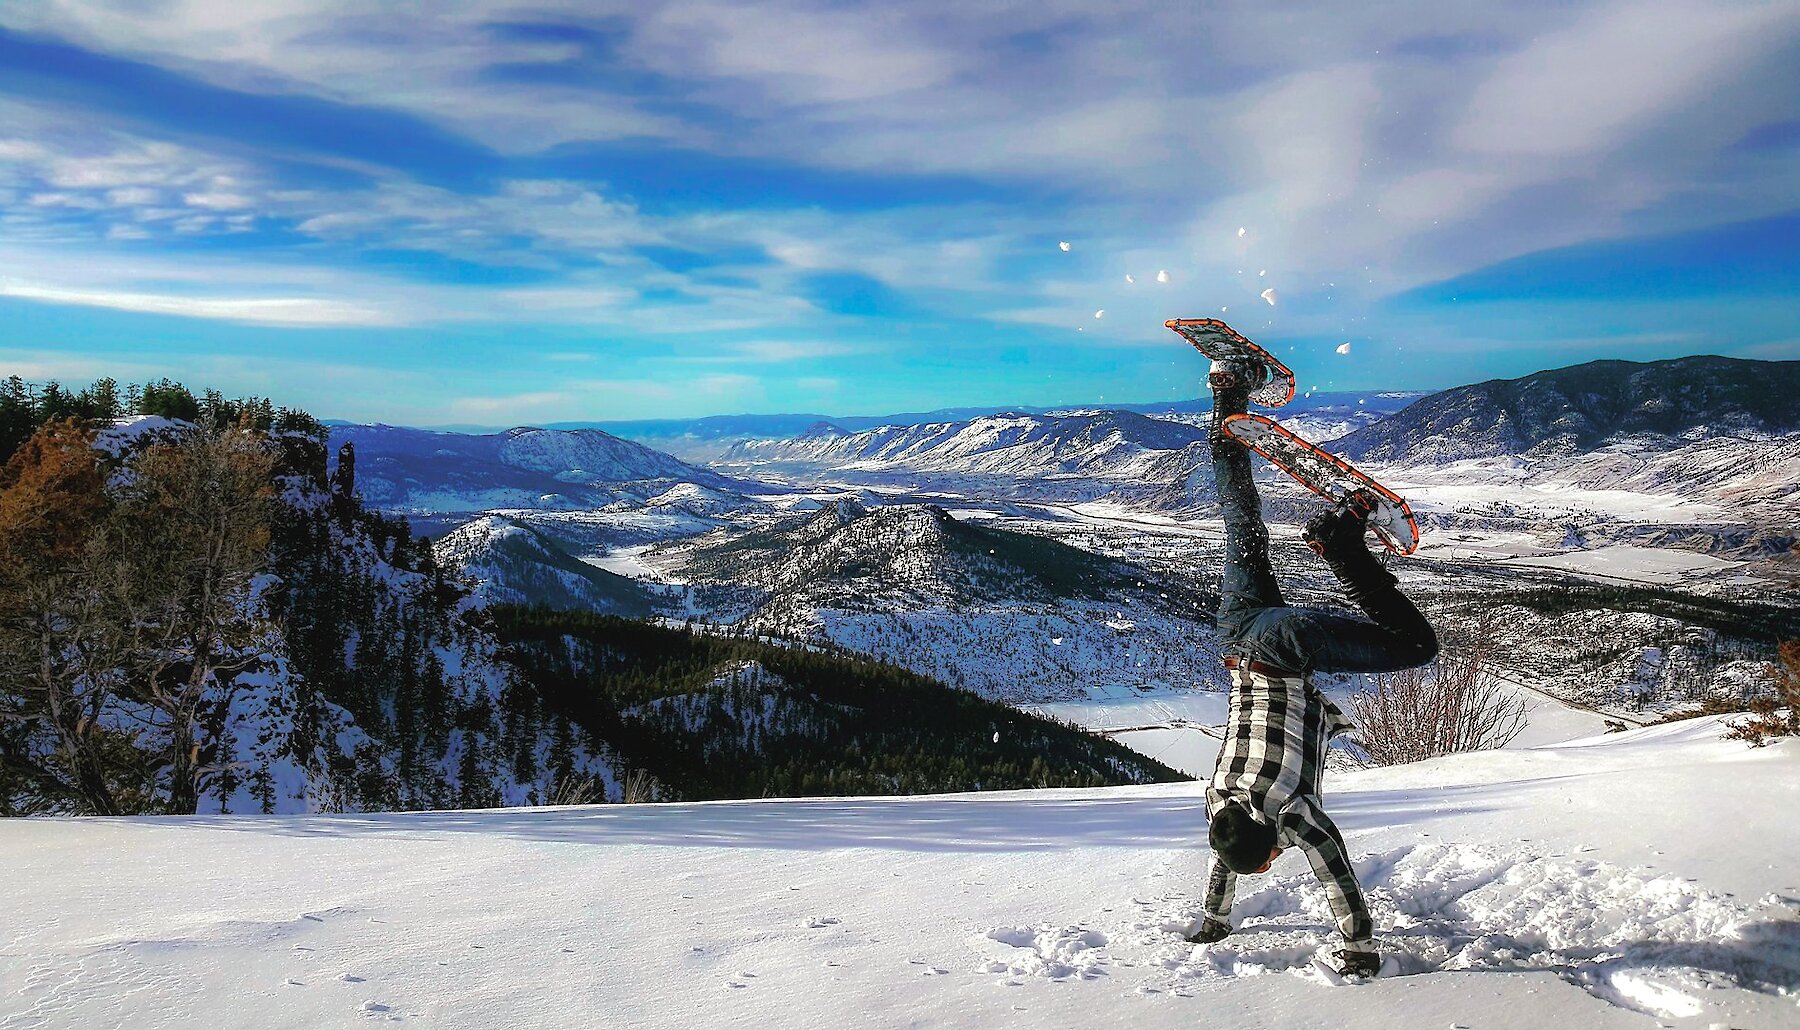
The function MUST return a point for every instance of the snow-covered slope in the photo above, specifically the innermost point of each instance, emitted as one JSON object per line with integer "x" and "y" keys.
{"x": 1574, "y": 410}
{"x": 509, "y": 562}
{"x": 418, "y": 471}
{"x": 1009, "y": 615}
{"x": 1603, "y": 883}
{"x": 1104, "y": 445}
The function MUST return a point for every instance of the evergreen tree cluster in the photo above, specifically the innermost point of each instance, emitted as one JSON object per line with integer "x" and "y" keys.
{"x": 719, "y": 716}
{"x": 24, "y": 407}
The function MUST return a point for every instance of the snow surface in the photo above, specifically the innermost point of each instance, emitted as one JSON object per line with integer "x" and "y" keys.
{"x": 1573, "y": 886}
{"x": 128, "y": 433}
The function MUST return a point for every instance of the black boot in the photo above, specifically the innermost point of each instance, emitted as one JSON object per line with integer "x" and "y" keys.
{"x": 1211, "y": 932}
{"x": 1231, "y": 385}
{"x": 1339, "y": 534}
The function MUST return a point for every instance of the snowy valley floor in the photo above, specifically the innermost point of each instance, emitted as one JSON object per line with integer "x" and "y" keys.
{"x": 1627, "y": 880}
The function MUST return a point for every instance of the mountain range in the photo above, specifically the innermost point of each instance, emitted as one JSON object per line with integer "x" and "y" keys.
{"x": 1564, "y": 412}
{"x": 420, "y": 472}
{"x": 705, "y": 439}
{"x": 1720, "y": 433}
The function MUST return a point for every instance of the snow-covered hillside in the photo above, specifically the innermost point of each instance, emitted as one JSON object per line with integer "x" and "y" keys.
{"x": 509, "y": 562}
{"x": 1567, "y": 411}
{"x": 1576, "y": 885}
{"x": 420, "y": 472}
{"x": 1106, "y": 445}
{"x": 1009, "y": 615}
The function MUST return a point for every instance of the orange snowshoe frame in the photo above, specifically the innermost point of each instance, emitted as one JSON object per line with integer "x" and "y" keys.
{"x": 1220, "y": 342}
{"x": 1327, "y": 475}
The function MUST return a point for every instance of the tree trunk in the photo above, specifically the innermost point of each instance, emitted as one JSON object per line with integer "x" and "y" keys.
{"x": 184, "y": 794}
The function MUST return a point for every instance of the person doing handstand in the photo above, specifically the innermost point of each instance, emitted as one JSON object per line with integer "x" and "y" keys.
{"x": 1264, "y": 793}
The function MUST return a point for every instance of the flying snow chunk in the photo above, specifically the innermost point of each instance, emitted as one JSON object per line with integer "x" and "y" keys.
{"x": 996, "y": 738}
{"x": 1162, "y": 277}
{"x": 1269, "y": 295}
{"x": 1263, "y": 272}
{"x": 1063, "y": 246}
{"x": 1128, "y": 278}
{"x": 1100, "y": 314}
{"x": 1241, "y": 231}
{"x": 1342, "y": 348}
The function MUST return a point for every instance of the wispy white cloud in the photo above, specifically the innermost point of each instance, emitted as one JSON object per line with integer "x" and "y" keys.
{"x": 279, "y": 311}
{"x": 789, "y": 350}
{"x": 478, "y": 408}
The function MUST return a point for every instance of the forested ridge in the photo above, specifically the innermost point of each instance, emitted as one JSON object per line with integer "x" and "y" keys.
{"x": 722, "y": 716}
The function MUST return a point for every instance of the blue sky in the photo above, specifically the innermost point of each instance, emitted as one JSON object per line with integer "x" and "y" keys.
{"x": 500, "y": 213}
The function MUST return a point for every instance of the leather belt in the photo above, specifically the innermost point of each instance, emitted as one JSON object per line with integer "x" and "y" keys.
{"x": 1260, "y": 668}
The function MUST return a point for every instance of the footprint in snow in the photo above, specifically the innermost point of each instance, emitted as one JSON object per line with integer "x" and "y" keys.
{"x": 1048, "y": 952}
{"x": 1651, "y": 943}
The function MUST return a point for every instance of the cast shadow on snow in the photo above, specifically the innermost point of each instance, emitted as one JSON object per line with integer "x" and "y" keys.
{"x": 1662, "y": 979}
{"x": 931, "y": 824}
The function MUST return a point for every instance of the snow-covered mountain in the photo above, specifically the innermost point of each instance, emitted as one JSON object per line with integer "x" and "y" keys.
{"x": 848, "y": 553}
{"x": 509, "y": 562}
{"x": 1011, "y": 615}
{"x": 349, "y": 675}
{"x": 1110, "y": 446}
{"x": 416, "y": 471}
{"x": 707, "y": 438}
{"x": 1695, "y": 452}
{"x": 1564, "y": 412}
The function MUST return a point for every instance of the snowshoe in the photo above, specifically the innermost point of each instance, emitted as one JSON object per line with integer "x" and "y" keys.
{"x": 1227, "y": 346}
{"x": 1329, "y": 476}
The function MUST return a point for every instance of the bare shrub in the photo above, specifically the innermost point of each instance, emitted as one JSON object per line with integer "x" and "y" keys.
{"x": 1456, "y": 704}
{"x": 1776, "y": 714}
{"x": 641, "y": 787}
{"x": 577, "y": 789}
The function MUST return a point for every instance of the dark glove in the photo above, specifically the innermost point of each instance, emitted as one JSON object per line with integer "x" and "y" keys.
{"x": 1211, "y": 932}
